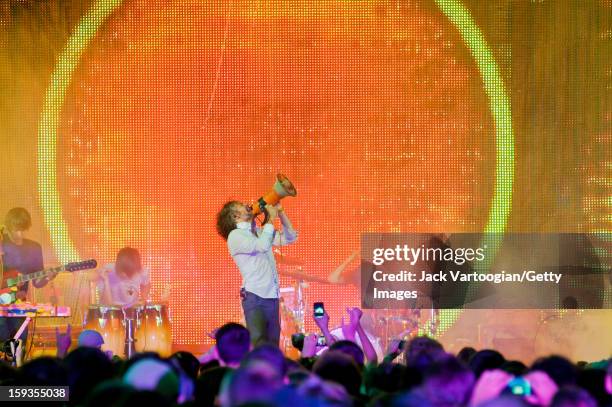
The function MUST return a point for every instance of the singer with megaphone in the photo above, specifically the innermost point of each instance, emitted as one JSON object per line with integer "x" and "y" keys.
{"x": 251, "y": 248}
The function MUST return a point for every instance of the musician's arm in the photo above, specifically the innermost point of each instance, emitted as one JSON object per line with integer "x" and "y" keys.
{"x": 289, "y": 234}
{"x": 103, "y": 287}
{"x": 40, "y": 282}
{"x": 145, "y": 285}
{"x": 39, "y": 265}
{"x": 105, "y": 295}
{"x": 336, "y": 276}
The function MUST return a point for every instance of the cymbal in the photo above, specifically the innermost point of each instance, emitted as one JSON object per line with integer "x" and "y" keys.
{"x": 300, "y": 275}
{"x": 286, "y": 260}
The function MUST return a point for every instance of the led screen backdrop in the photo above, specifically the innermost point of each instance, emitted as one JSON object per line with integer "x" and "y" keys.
{"x": 132, "y": 122}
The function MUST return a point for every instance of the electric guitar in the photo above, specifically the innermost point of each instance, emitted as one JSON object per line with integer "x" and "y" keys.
{"x": 12, "y": 280}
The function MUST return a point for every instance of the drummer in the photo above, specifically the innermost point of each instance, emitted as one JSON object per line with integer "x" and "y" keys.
{"x": 124, "y": 282}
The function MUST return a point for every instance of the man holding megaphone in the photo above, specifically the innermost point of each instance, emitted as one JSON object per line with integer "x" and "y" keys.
{"x": 251, "y": 249}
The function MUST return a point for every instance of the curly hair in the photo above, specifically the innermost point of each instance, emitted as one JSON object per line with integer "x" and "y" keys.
{"x": 225, "y": 219}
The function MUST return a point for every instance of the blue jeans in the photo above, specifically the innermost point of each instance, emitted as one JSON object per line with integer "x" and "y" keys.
{"x": 262, "y": 318}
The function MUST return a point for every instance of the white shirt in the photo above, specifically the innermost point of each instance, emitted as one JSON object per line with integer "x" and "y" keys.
{"x": 375, "y": 341}
{"x": 123, "y": 291}
{"x": 254, "y": 257}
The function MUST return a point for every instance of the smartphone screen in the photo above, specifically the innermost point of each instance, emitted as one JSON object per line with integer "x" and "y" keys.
{"x": 520, "y": 387}
{"x": 321, "y": 341}
{"x": 319, "y": 310}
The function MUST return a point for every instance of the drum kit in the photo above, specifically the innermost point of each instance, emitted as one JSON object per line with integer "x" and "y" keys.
{"x": 143, "y": 327}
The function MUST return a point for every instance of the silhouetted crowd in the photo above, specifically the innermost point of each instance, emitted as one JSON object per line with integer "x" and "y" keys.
{"x": 417, "y": 373}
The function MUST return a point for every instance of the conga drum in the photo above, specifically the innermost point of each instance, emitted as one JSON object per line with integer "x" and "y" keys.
{"x": 153, "y": 333}
{"x": 108, "y": 321}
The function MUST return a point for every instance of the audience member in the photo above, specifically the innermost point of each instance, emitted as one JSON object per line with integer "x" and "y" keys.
{"x": 486, "y": 359}
{"x": 558, "y": 368}
{"x": 154, "y": 375}
{"x": 256, "y": 382}
{"x": 208, "y": 386}
{"x": 422, "y": 352}
{"x": 339, "y": 368}
{"x": 465, "y": 354}
{"x": 232, "y": 343}
{"x": 86, "y": 368}
{"x": 571, "y": 396}
{"x": 447, "y": 382}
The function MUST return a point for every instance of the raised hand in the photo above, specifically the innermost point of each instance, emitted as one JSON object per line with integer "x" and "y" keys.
{"x": 272, "y": 213}
{"x": 394, "y": 347}
{"x": 322, "y": 322}
{"x": 543, "y": 388}
{"x": 355, "y": 316}
{"x": 489, "y": 386}
{"x": 310, "y": 346}
{"x": 348, "y": 331}
{"x": 63, "y": 340}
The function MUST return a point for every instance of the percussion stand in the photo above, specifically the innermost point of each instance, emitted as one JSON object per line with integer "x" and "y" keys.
{"x": 433, "y": 324}
{"x": 130, "y": 341}
{"x": 13, "y": 344}
{"x": 301, "y": 305}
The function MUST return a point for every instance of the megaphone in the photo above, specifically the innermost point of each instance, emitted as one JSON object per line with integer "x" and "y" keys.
{"x": 281, "y": 189}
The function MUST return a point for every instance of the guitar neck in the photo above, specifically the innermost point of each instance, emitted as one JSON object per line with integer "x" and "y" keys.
{"x": 22, "y": 278}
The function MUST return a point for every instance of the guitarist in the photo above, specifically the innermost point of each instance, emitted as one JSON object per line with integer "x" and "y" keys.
{"x": 23, "y": 255}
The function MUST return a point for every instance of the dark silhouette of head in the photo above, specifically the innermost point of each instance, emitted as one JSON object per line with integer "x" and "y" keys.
{"x": 340, "y": 368}
{"x": 448, "y": 382}
{"x": 86, "y": 368}
{"x": 350, "y": 348}
{"x": 233, "y": 342}
{"x": 208, "y": 386}
{"x": 571, "y": 396}
{"x": 256, "y": 382}
{"x": 486, "y": 359}
{"x": 561, "y": 370}
{"x": 465, "y": 354}
{"x": 44, "y": 371}
{"x": 187, "y": 362}
{"x": 594, "y": 381}
{"x": 514, "y": 367}
{"x": 268, "y": 354}
{"x": 109, "y": 393}
{"x": 423, "y": 351}
{"x": 384, "y": 378}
